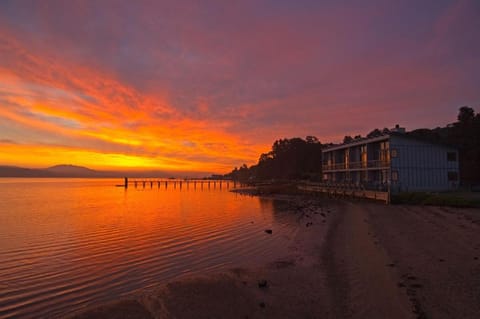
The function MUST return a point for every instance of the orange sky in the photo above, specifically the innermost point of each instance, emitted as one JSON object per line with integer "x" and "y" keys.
{"x": 66, "y": 113}
{"x": 204, "y": 88}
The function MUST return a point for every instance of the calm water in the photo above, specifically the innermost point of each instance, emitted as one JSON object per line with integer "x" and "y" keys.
{"x": 66, "y": 244}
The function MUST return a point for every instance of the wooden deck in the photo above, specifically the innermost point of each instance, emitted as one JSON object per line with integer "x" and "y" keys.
{"x": 346, "y": 191}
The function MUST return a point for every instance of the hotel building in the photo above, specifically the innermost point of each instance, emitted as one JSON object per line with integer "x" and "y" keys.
{"x": 392, "y": 161}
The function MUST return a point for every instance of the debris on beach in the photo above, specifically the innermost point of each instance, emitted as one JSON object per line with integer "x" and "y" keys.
{"x": 268, "y": 231}
{"x": 262, "y": 284}
{"x": 416, "y": 286}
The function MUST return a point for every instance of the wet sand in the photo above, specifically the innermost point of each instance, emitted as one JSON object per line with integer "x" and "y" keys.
{"x": 349, "y": 260}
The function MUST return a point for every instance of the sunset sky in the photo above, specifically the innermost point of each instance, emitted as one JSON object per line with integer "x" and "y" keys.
{"x": 205, "y": 86}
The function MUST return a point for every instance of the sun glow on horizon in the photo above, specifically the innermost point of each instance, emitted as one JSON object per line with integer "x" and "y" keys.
{"x": 46, "y": 156}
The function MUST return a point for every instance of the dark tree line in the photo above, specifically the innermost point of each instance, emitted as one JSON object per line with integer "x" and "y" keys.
{"x": 293, "y": 158}
{"x": 298, "y": 158}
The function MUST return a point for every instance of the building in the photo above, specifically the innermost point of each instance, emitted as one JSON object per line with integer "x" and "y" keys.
{"x": 392, "y": 161}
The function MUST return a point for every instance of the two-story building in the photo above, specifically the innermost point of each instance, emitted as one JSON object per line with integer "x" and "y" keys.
{"x": 394, "y": 160}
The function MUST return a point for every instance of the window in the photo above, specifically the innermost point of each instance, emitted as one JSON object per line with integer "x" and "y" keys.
{"x": 393, "y": 153}
{"x": 452, "y": 176}
{"x": 452, "y": 156}
{"x": 394, "y": 176}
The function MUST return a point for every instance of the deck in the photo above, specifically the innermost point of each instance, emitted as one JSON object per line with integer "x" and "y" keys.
{"x": 345, "y": 191}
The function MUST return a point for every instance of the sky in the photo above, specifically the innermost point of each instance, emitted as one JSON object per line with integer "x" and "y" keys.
{"x": 204, "y": 86}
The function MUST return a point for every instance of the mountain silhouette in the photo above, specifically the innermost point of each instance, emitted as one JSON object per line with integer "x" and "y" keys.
{"x": 73, "y": 171}
{"x": 54, "y": 171}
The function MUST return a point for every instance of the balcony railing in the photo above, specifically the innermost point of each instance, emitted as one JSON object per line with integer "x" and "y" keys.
{"x": 356, "y": 165}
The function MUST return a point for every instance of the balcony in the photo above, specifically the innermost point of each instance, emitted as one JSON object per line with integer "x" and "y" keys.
{"x": 356, "y": 165}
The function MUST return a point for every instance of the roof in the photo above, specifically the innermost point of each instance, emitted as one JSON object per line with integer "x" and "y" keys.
{"x": 383, "y": 137}
{"x": 358, "y": 141}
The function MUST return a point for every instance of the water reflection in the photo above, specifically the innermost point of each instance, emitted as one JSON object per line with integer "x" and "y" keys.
{"x": 70, "y": 243}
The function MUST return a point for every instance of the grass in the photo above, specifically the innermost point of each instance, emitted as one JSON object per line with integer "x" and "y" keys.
{"x": 435, "y": 199}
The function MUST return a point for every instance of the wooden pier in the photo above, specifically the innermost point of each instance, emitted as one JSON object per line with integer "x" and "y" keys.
{"x": 346, "y": 191}
{"x": 177, "y": 183}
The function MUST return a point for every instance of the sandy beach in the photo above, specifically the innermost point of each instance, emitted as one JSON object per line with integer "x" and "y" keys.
{"x": 348, "y": 260}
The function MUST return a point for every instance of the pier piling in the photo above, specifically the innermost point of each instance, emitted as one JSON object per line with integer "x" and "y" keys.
{"x": 181, "y": 183}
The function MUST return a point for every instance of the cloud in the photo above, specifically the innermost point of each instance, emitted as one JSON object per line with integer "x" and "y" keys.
{"x": 216, "y": 83}
{"x": 73, "y": 106}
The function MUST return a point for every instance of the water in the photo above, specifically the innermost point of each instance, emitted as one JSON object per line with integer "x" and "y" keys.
{"x": 68, "y": 244}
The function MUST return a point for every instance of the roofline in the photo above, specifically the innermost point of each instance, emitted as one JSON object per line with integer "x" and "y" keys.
{"x": 384, "y": 137}
{"x": 358, "y": 142}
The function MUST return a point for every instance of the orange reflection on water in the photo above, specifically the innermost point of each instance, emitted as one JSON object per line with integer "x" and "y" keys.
{"x": 70, "y": 243}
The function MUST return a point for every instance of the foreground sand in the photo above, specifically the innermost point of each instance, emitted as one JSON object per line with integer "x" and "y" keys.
{"x": 350, "y": 260}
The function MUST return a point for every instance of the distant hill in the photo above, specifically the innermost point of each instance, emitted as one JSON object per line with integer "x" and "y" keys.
{"x": 14, "y": 171}
{"x": 73, "y": 171}
{"x": 54, "y": 171}
{"x": 80, "y": 171}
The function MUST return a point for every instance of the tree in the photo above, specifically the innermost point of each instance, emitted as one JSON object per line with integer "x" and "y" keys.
{"x": 376, "y": 132}
{"x": 288, "y": 159}
{"x": 466, "y": 115}
{"x": 312, "y": 140}
{"x": 347, "y": 139}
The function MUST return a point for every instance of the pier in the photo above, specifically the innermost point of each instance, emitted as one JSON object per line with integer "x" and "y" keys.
{"x": 177, "y": 183}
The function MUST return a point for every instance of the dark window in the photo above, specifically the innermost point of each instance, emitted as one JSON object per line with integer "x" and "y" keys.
{"x": 452, "y": 176}
{"x": 452, "y": 156}
{"x": 394, "y": 176}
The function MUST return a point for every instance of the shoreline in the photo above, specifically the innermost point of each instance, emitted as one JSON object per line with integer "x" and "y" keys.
{"x": 457, "y": 199}
{"x": 348, "y": 260}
